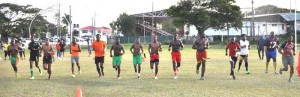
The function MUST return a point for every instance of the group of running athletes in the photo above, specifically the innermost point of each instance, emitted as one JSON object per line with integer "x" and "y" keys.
{"x": 237, "y": 51}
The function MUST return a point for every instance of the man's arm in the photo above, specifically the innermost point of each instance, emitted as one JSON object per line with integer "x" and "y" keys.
{"x": 142, "y": 48}
{"x": 194, "y": 45}
{"x": 112, "y": 47}
{"x": 160, "y": 49}
{"x": 123, "y": 50}
{"x": 79, "y": 48}
{"x": 181, "y": 44}
{"x": 281, "y": 48}
{"x": 131, "y": 48}
{"x": 149, "y": 48}
{"x": 226, "y": 49}
{"x": 170, "y": 45}
{"x": 207, "y": 45}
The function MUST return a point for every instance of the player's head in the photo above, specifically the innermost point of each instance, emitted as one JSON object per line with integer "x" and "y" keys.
{"x": 202, "y": 35}
{"x": 98, "y": 36}
{"x": 290, "y": 39}
{"x": 73, "y": 40}
{"x": 155, "y": 38}
{"x": 243, "y": 37}
{"x": 118, "y": 40}
{"x": 13, "y": 42}
{"x": 176, "y": 36}
{"x": 232, "y": 39}
{"x": 137, "y": 40}
{"x": 47, "y": 40}
{"x": 32, "y": 38}
{"x": 272, "y": 34}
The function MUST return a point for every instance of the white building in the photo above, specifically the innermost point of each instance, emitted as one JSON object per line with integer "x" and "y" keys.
{"x": 280, "y": 23}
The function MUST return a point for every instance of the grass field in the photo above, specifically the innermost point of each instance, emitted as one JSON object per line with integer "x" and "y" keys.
{"x": 217, "y": 82}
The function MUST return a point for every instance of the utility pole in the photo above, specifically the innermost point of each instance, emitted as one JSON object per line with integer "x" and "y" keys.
{"x": 152, "y": 24}
{"x": 252, "y": 21}
{"x": 70, "y": 24}
{"x": 295, "y": 28}
{"x": 58, "y": 21}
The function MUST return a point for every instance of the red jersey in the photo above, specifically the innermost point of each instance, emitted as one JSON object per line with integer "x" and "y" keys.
{"x": 232, "y": 47}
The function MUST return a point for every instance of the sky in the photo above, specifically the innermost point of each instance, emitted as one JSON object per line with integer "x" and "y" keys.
{"x": 106, "y": 11}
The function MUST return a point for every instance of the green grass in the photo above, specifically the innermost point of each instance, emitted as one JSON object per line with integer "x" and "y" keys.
{"x": 217, "y": 83}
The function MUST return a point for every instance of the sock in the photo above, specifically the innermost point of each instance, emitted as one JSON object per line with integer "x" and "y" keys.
{"x": 267, "y": 66}
{"x": 31, "y": 72}
{"x": 275, "y": 65}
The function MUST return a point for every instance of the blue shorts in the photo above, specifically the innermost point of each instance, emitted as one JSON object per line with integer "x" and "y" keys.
{"x": 271, "y": 54}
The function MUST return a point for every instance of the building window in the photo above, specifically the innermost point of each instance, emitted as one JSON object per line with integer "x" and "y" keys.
{"x": 264, "y": 24}
{"x": 282, "y": 26}
{"x": 84, "y": 31}
{"x": 274, "y": 24}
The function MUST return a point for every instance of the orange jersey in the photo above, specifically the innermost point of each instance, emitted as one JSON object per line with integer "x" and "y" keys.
{"x": 74, "y": 50}
{"x": 99, "y": 48}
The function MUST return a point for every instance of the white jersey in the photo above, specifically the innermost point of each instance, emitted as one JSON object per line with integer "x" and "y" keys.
{"x": 244, "y": 51}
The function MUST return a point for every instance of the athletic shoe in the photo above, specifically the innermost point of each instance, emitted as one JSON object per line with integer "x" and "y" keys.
{"x": 102, "y": 73}
{"x": 175, "y": 77}
{"x": 290, "y": 80}
{"x": 275, "y": 72}
{"x": 233, "y": 77}
{"x": 197, "y": 71}
{"x": 280, "y": 71}
{"x": 73, "y": 75}
{"x": 119, "y": 78}
{"x": 17, "y": 75}
{"x": 32, "y": 77}
{"x": 41, "y": 71}
{"x": 247, "y": 72}
{"x": 138, "y": 76}
{"x": 79, "y": 72}
{"x": 156, "y": 77}
{"x": 202, "y": 78}
{"x": 266, "y": 71}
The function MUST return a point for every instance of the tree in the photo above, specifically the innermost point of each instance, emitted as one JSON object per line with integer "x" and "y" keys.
{"x": 126, "y": 24}
{"x": 204, "y": 14}
{"x": 113, "y": 27}
{"x": 13, "y": 17}
{"x": 66, "y": 19}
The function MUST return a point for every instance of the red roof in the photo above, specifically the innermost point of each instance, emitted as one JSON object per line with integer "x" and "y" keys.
{"x": 103, "y": 29}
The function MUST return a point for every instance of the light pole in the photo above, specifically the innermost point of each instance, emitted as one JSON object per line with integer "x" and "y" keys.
{"x": 44, "y": 10}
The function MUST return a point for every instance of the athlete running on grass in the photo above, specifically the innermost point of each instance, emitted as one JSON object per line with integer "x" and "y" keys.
{"x": 233, "y": 48}
{"x": 34, "y": 48}
{"x": 271, "y": 52}
{"x": 153, "y": 49}
{"x": 137, "y": 50}
{"x": 99, "y": 48}
{"x": 13, "y": 49}
{"x": 287, "y": 50}
{"x": 245, "y": 47}
{"x": 176, "y": 45}
{"x": 47, "y": 59}
{"x": 118, "y": 49}
{"x": 201, "y": 44}
{"x": 74, "y": 51}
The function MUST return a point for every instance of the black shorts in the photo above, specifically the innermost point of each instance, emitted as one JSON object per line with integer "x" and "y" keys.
{"x": 234, "y": 59}
{"x": 47, "y": 59}
{"x": 244, "y": 56}
{"x": 62, "y": 50}
{"x": 34, "y": 57}
{"x": 99, "y": 59}
{"x": 155, "y": 60}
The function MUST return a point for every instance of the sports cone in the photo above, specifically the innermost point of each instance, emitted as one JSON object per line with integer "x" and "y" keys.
{"x": 78, "y": 92}
{"x": 298, "y": 68}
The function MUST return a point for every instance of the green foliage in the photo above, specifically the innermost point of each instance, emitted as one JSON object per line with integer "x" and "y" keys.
{"x": 204, "y": 14}
{"x": 169, "y": 26}
{"x": 126, "y": 24}
{"x": 66, "y": 19}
